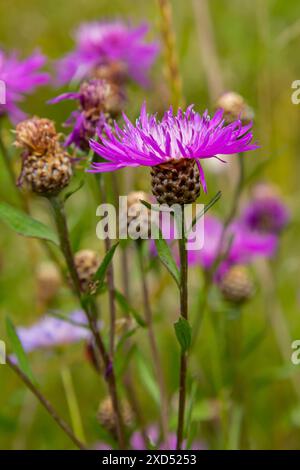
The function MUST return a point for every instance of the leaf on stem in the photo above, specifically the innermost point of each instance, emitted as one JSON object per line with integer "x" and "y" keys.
{"x": 165, "y": 255}
{"x": 208, "y": 206}
{"x": 73, "y": 191}
{"x": 122, "y": 301}
{"x": 18, "y": 349}
{"x": 101, "y": 271}
{"x": 183, "y": 333}
{"x": 25, "y": 225}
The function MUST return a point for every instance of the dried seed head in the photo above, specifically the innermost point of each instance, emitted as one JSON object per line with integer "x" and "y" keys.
{"x": 106, "y": 415}
{"x": 176, "y": 182}
{"x": 46, "y": 167}
{"x": 48, "y": 174}
{"x": 138, "y": 214}
{"x": 236, "y": 285}
{"x": 36, "y": 135}
{"x": 235, "y": 107}
{"x": 116, "y": 72}
{"x": 48, "y": 282}
{"x": 87, "y": 263}
{"x": 100, "y": 96}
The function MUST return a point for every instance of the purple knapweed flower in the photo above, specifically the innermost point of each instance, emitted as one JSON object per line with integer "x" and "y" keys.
{"x": 18, "y": 78}
{"x": 50, "y": 332}
{"x": 266, "y": 212}
{"x": 185, "y": 136}
{"x": 240, "y": 245}
{"x": 97, "y": 100}
{"x": 101, "y": 45}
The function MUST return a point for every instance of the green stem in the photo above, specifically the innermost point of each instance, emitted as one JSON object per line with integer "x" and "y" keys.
{"x": 72, "y": 403}
{"x": 153, "y": 345}
{"x": 90, "y": 310}
{"x": 184, "y": 314}
{"x": 45, "y": 403}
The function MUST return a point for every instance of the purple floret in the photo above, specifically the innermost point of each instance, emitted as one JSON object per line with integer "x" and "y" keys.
{"x": 20, "y": 77}
{"x": 103, "y": 43}
{"x": 188, "y": 134}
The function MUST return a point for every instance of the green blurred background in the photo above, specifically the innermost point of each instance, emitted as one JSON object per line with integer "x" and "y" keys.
{"x": 257, "y": 42}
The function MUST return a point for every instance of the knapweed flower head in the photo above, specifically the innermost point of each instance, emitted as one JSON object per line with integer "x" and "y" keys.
{"x": 266, "y": 212}
{"x": 98, "y": 101}
{"x": 50, "y": 332}
{"x": 113, "y": 50}
{"x": 46, "y": 167}
{"x": 173, "y": 147}
{"x": 239, "y": 245}
{"x": 20, "y": 78}
{"x": 175, "y": 140}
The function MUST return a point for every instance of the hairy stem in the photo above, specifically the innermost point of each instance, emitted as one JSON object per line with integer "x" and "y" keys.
{"x": 45, "y": 403}
{"x": 184, "y": 314}
{"x": 153, "y": 345}
{"x": 91, "y": 313}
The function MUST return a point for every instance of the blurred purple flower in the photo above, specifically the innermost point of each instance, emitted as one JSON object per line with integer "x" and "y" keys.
{"x": 186, "y": 135}
{"x": 49, "y": 332}
{"x": 266, "y": 213}
{"x": 20, "y": 77}
{"x": 137, "y": 441}
{"x": 245, "y": 245}
{"x": 102, "y": 43}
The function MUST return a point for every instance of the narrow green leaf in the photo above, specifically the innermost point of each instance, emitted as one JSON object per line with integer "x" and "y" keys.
{"x": 155, "y": 207}
{"x": 73, "y": 191}
{"x": 206, "y": 208}
{"x": 167, "y": 259}
{"x": 129, "y": 309}
{"x": 25, "y": 225}
{"x": 147, "y": 377}
{"x": 18, "y": 349}
{"x": 101, "y": 271}
{"x": 183, "y": 333}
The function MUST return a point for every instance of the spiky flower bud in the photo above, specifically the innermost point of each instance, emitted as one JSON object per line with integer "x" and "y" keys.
{"x": 46, "y": 167}
{"x": 176, "y": 182}
{"x": 139, "y": 214}
{"x": 48, "y": 282}
{"x": 100, "y": 96}
{"x": 106, "y": 415}
{"x": 235, "y": 107}
{"x": 236, "y": 285}
{"x": 87, "y": 263}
